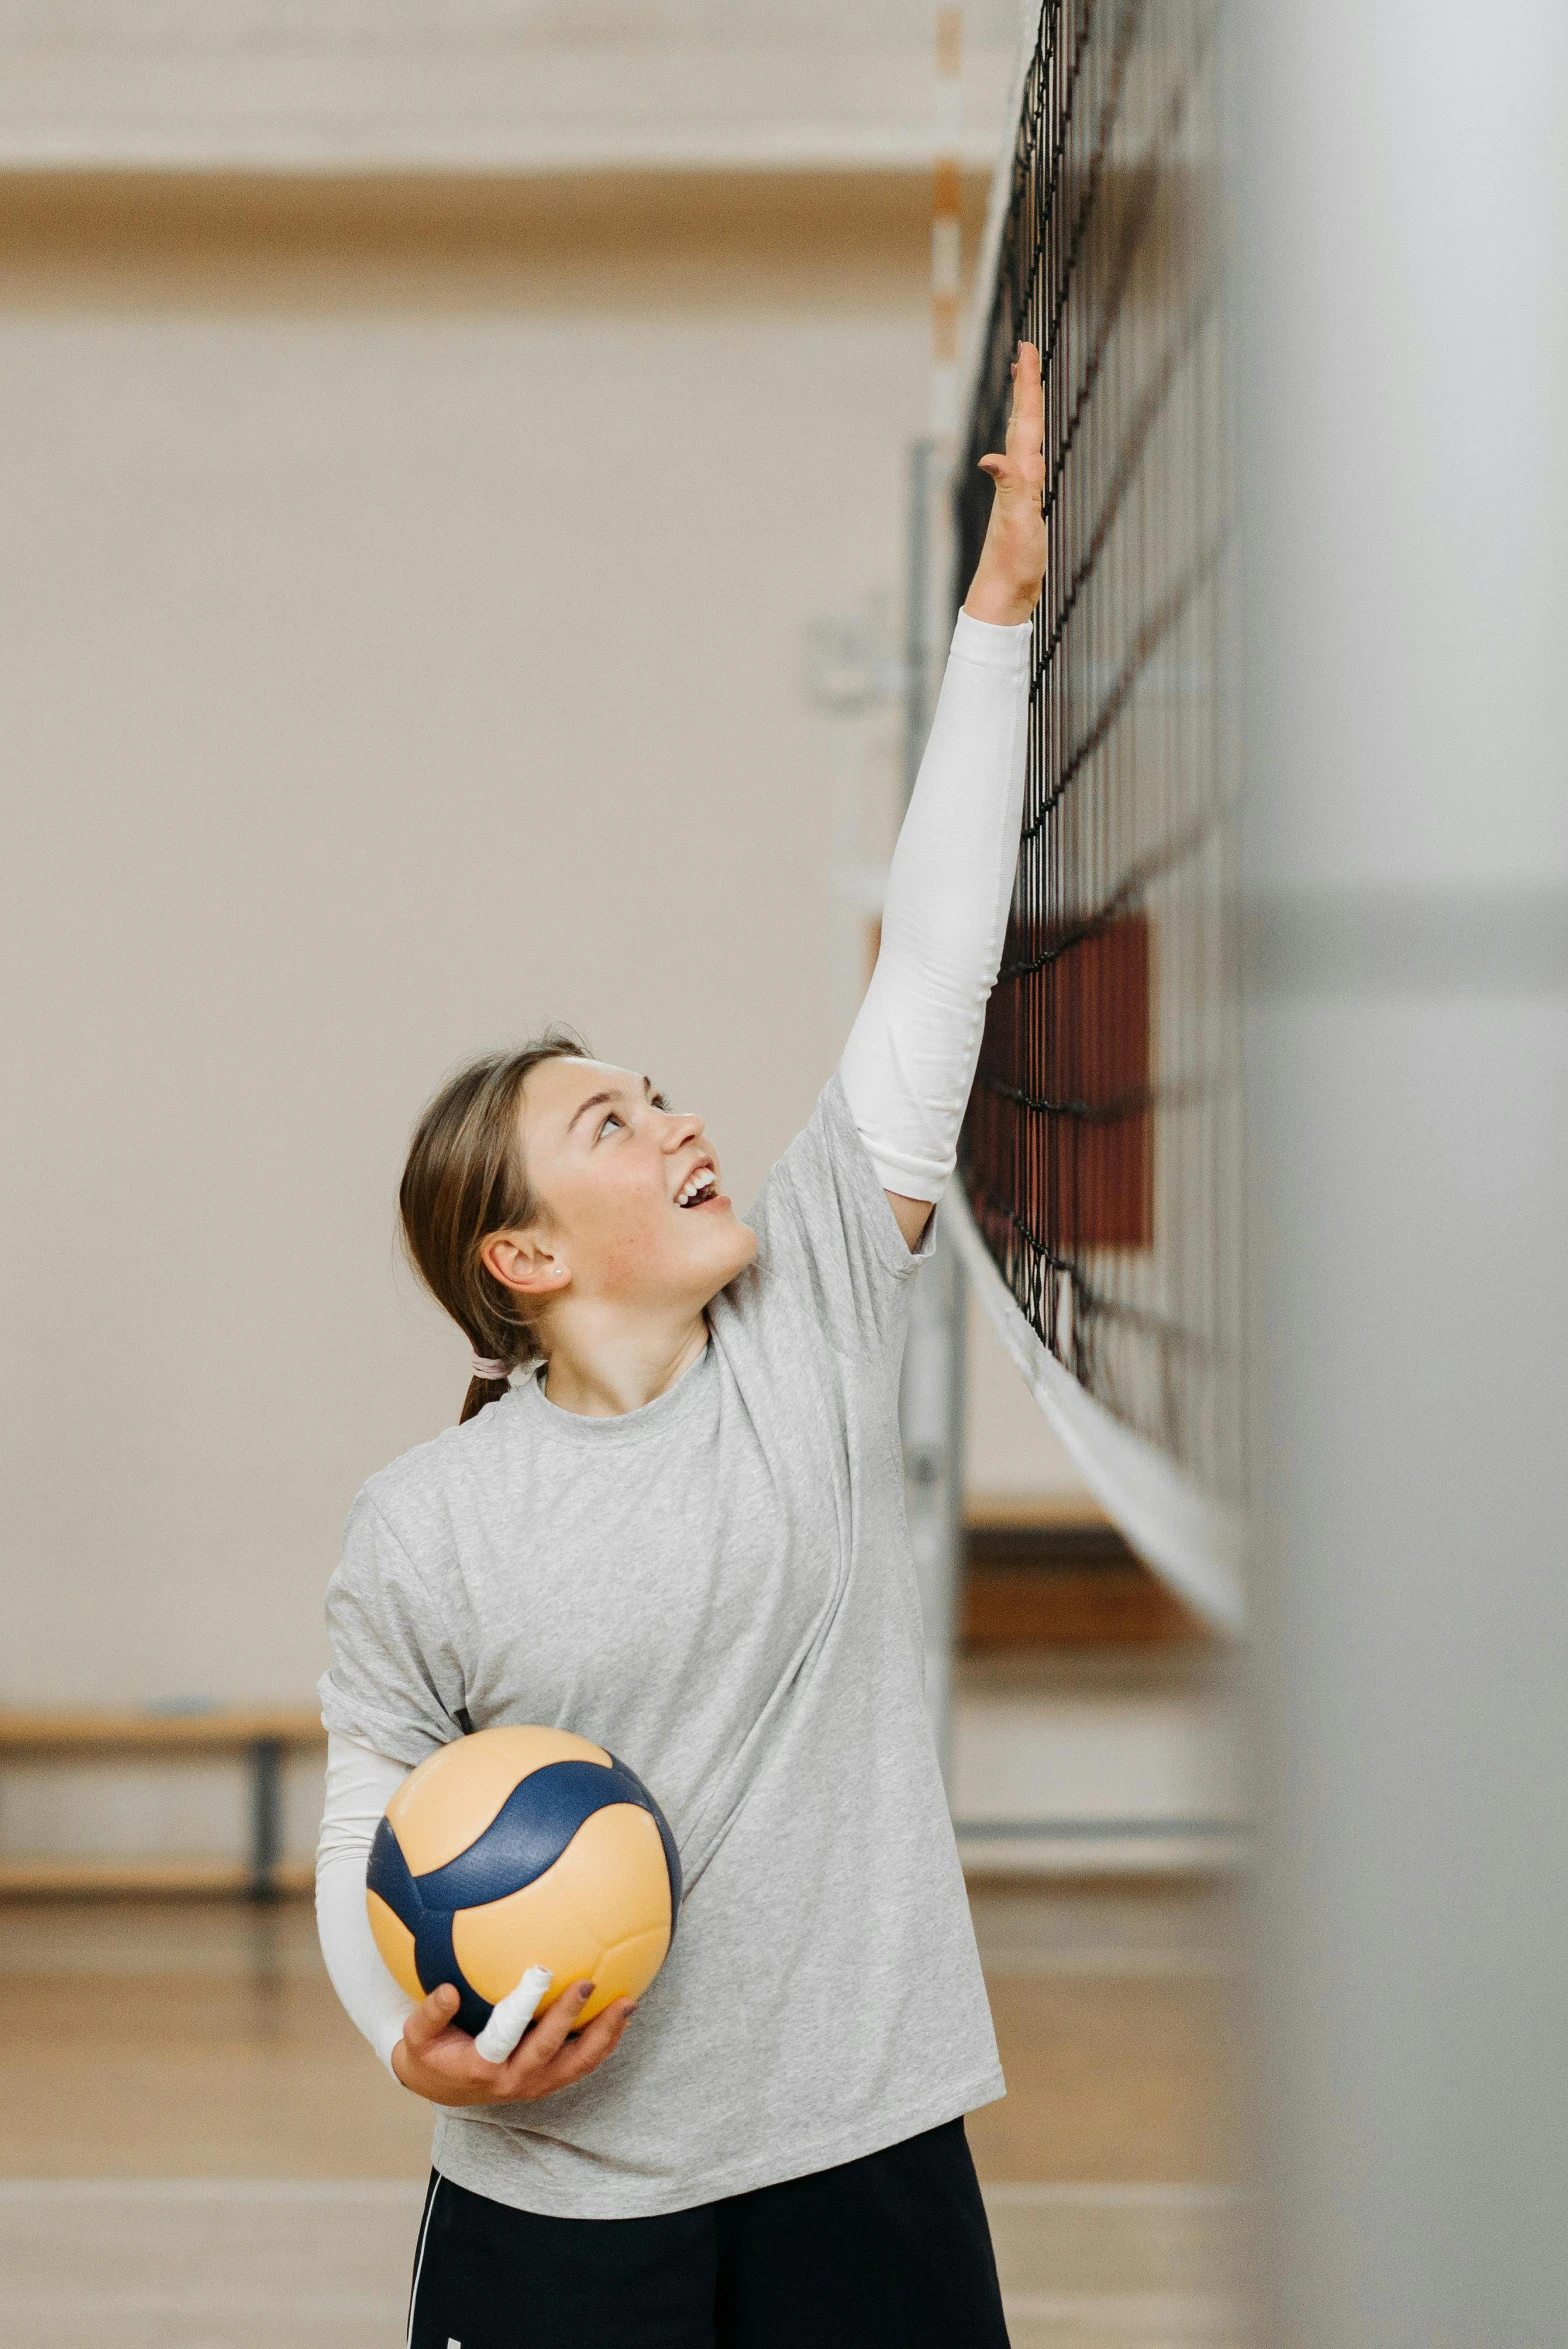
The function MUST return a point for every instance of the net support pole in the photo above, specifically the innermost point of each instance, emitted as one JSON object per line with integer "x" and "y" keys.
{"x": 1402, "y": 211}
{"x": 931, "y": 1397}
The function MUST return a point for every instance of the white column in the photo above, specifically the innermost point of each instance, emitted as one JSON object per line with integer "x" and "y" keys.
{"x": 1403, "y": 220}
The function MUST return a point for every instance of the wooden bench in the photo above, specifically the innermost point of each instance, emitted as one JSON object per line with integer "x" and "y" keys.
{"x": 1065, "y": 1579}
{"x": 262, "y": 1735}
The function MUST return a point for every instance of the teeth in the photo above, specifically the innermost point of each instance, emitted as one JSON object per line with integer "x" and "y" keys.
{"x": 694, "y": 1186}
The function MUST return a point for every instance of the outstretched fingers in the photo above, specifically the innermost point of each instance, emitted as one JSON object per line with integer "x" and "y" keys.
{"x": 1026, "y": 416}
{"x": 1006, "y": 584}
{"x": 1021, "y": 472}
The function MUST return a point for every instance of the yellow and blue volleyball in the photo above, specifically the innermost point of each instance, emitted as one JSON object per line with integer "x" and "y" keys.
{"x": 514, "y": 1848}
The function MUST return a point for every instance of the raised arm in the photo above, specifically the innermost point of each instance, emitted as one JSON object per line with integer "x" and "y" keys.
{"x": 910, "y": 1059}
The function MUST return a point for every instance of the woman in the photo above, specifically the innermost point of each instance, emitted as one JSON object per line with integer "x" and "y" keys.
{"x": 682, "y": 1534}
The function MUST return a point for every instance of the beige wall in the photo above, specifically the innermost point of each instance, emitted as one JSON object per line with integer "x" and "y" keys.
{"x": 469, "y": 85}
{"x": 404, "y": 605}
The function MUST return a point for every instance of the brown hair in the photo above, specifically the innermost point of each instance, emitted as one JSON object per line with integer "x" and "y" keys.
{"x": 464, "y": 1179}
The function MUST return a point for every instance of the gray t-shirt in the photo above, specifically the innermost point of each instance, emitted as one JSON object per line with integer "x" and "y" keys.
{"x": 717, "y": 1587}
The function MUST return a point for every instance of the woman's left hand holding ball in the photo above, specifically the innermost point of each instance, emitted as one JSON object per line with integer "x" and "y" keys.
{"x": 443, "y": 2064}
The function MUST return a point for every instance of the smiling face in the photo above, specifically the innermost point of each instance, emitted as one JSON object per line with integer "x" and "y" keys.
{"x": 631, "y": 1208}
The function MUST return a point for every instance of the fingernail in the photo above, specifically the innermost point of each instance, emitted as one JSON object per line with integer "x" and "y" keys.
{"x": 584, "y": 1993}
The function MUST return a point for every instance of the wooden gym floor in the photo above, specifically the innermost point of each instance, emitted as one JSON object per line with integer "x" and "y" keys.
{"x": 197, "y": 2152}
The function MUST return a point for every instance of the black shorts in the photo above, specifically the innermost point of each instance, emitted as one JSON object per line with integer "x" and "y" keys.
{"x": 890, "y": 2252}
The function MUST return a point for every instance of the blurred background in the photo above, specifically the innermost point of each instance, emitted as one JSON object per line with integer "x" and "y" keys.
{"x": 474, "y": 558}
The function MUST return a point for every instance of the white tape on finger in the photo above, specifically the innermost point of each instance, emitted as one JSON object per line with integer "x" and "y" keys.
{"x": 511, "y": 2016}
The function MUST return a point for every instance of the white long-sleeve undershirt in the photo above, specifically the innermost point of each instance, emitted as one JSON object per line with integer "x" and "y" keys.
{"x": 910, "y": 1059}
{"x": 906, "y": 1071}
{"x": 360, "y": 1784}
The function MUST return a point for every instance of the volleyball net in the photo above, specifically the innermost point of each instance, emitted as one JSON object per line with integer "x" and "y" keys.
{"x": 1100, "y": 1160}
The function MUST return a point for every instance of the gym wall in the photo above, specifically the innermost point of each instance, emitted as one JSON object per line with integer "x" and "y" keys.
{"x": 404, "y": 614}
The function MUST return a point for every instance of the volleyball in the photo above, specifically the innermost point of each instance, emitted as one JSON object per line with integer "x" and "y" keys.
{"x": 513, "y": 1848}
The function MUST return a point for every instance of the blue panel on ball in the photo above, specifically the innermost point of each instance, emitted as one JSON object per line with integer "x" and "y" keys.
{"x": 672, "y": 1858}
{"x": 435, "y": 1962}
{"x": 387, "y": 1874}
{"x": 530, "y": 1831}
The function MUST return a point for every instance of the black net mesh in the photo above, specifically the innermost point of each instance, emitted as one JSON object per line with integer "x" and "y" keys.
{"x": 1101, "y": 1151}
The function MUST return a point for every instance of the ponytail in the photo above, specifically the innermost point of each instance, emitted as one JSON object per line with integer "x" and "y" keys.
{"x": 480, "y": 1392}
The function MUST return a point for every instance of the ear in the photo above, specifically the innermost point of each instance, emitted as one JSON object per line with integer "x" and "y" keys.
{"x": 521, "y": 1262}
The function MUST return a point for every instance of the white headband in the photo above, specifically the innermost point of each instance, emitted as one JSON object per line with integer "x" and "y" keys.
{"x": 486, "y": 1367}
